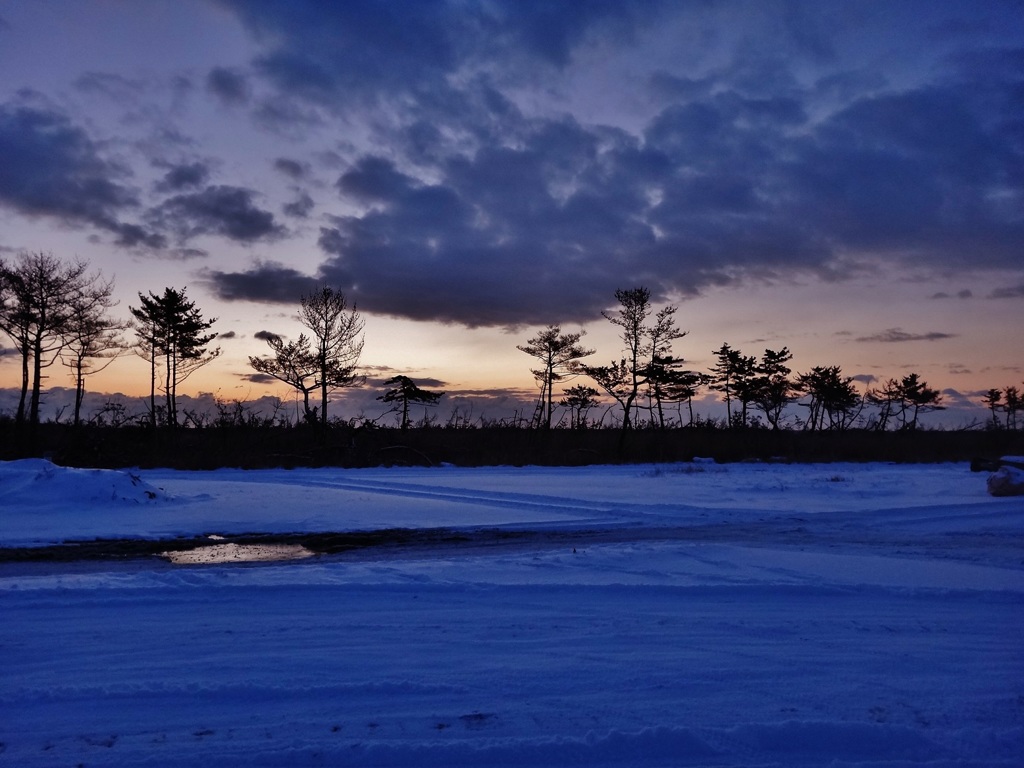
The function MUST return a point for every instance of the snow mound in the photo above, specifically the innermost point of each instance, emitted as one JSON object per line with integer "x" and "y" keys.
{"x": 1007, "y": 481}
{"x": 39, "y": 482}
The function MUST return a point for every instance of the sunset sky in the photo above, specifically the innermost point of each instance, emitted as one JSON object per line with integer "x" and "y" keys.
{"x": 844, "y": 178}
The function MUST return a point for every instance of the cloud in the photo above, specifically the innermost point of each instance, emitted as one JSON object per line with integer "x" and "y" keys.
{"x": 363, "y": 48}
{"x": 966, "y": 293}
{"x": 121, "y": 90}
{"x": 53, "y": 168}
{"x": 777, "y": 150}
{"x": 257, "y": 378}
{"x": 300, "y": 207}
{"x": 265, "y": 335}
{"x": 217, "y": 210}
{"x": 228, "y": 335}
{"x": 1008, "y": 292}
{"x": 267, "y": 281}
{"x": 230, "y": 87}
{"x": 291, "y": 168}
{"x": 184, "y": 176}
{"x": 897, "y": 335}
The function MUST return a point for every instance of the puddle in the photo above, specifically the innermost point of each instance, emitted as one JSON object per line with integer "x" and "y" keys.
{"x": 238, "y": 553}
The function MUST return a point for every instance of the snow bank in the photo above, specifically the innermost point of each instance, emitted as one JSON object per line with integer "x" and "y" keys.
{"x": 41, "y": 483}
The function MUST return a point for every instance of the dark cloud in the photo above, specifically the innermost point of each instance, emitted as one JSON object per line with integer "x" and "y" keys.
{"x": 1008, "y": 292}
{"x": 51, "y": 167}
{"x": 189, "y": 253}
{"x": 257, "y": 378}
{"x": 300, "y": 207}
{"x": 231, "y": 87}
{"x": 753, "y": 167}
{"x": 265, "y": 335}
{"x": 227, "y": 335}
{"x": 217, "y": 210}
{"x": 268, "y": 281}
{"x": 966, "y": 293}
{"x": 184, "y": 176}
{"x": 331, "y": 52}
{"x": 897, "y": 335}
{"x": 291, "y": 168}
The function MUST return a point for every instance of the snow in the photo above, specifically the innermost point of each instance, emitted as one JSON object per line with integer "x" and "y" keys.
{"x": 673, "y": 615}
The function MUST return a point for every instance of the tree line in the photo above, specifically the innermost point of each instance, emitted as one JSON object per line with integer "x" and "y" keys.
{"x": 648, "y": 378}
{"x": 59, "y": 312}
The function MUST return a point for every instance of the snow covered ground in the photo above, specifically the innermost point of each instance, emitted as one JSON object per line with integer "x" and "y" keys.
{"x": 686, "y": 615}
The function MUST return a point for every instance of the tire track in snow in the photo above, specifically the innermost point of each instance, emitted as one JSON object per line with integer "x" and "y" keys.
{"x": 502, "y": 499}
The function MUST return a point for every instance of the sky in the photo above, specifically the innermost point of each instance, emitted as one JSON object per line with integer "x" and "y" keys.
{"x": 845, "y": 179}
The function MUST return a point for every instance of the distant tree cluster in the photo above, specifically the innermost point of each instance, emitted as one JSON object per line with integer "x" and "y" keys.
{"x": 756, "y": 391}
{"x": 52, "y": 310}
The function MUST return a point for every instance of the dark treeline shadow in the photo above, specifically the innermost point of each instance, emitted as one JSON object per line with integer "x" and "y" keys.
{"x": 347, "y": 446}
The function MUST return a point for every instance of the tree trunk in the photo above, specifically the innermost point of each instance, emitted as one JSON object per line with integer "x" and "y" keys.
{"x": 20, "y": 418}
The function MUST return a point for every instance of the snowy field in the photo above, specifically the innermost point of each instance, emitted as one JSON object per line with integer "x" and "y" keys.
{"x": 684, "y": 615}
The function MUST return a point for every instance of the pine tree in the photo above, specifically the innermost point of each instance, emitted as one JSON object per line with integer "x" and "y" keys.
{"x": 170, "y": 331}
{"x": 405, "y": 391}
{"x": 558, "y": 353}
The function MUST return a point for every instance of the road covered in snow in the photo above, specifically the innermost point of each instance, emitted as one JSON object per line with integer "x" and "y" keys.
{"x": 672, "y": 615}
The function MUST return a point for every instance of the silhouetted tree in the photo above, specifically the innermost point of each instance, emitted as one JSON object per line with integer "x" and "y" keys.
{"x": 903, "y": 401}
{"x": 578, "y": 400}
{"x": 405, "y": 391}
{"x": 662, "y": 367}
{"x": 92, "y": 337}
{"x": 170, "y": 330}
{"x": 641, "y": 344}
{"x": 668, "y": 383}
{"x": 733, "y": 376}
{"x": 683, "y": 386}
{"x": 771, "y": 389}
{"x": 1012, "y": 406}
{"x": 993, "y": 401}
{"x": 918, "y": 398}
{"x": 35, "y": 313}
{"x": 336, "y": 341}
{"x": 834, "y": 402}
{"x": 295, "y": 364}
{"x": 623, "y": 381}
{"x": 558, "y": 353}
{"x": 616, "y": 381}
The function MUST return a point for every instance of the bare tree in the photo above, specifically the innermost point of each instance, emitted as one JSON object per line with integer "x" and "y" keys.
{"x": 293, "y": 363}
{"x": 40, "y": 289}
{"x": 92, "y": 338}
{"x": 558, "y": 353}
{"x": 642, "y": 345}
{"x": 337, "y": 341}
